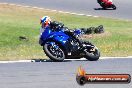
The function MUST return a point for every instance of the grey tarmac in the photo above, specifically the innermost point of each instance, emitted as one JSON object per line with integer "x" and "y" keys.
{"x": 61, "y": 74}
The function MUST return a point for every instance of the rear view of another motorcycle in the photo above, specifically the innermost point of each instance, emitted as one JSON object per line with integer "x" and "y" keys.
{"x": 105, "y": 4}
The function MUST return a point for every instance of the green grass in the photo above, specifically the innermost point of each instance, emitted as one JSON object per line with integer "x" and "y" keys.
{"x": 20, "y": 21}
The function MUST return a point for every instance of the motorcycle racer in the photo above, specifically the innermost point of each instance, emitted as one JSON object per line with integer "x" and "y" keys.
{"x": 46, "y": 23}
{"x": 102, "y": 1}
{"x": 106, "y": 4}
{"x": 60, "y": 43}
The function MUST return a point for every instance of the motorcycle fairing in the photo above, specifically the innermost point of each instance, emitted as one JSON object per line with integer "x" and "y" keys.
{"x": 60, "y": 37}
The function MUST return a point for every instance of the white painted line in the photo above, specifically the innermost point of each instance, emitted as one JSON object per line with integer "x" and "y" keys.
{"x": 49, "y": 10}
{"x": 15, "y": 61}
{"x": 77, "y": 59}
{"x": 82, "y": 59}
{"x": 89, "y": 15}
{"x": 96, "y": 16}
{"x": 115, "y": 57}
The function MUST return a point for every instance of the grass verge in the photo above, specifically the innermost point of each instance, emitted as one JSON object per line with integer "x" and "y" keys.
{"x": 18, "y": 21}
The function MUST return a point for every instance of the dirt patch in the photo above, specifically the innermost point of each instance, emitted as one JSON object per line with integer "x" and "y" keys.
{"x": 105, "y": 34}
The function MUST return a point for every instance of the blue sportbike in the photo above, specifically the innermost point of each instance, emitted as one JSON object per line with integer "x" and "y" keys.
{"x": 60, "y": 43}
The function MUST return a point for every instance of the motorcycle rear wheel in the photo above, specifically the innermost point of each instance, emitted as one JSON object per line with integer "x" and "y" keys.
{"x": 94, "y": 56}
{"x": 55, "y": 52}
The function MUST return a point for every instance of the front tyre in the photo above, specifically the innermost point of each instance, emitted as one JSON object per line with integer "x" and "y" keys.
{"x": 54, "y": 51}
{"x": 92, "y": 55}
{"x": 113, "y": 6}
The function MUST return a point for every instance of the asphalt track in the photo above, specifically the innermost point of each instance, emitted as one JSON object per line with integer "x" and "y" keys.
{"x": 63, "y": 74}
{"x": 60, "y": 74}
{"x": 124, "y": 7}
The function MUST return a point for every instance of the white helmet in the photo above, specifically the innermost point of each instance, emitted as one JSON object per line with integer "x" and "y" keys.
{"x": 45, "y": 20}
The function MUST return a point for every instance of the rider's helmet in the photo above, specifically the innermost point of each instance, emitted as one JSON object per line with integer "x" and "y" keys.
{"x": 45, "y": 21}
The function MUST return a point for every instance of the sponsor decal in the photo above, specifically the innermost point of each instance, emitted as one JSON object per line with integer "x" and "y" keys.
{"x": 83, "y": 78}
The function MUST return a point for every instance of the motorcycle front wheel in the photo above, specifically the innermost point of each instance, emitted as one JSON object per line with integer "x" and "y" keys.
{"x": 92, "y": 56}
{"x": 113, "y": 6}
{"x": 54, "y": 51}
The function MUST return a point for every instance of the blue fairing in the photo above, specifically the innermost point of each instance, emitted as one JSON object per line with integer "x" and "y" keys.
{"x": 46, "y": 33}
{"x": 58, "y": 36}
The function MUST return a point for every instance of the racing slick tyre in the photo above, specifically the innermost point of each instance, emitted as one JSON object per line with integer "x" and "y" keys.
{"x": 92, "y": 56}
{"x": 113, "y": 6}
{"x": 54, "y": 52}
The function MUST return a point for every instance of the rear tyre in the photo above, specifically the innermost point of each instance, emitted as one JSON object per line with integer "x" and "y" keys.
{"x": 54, "y": 52}
{"x": 92, "y": 56}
